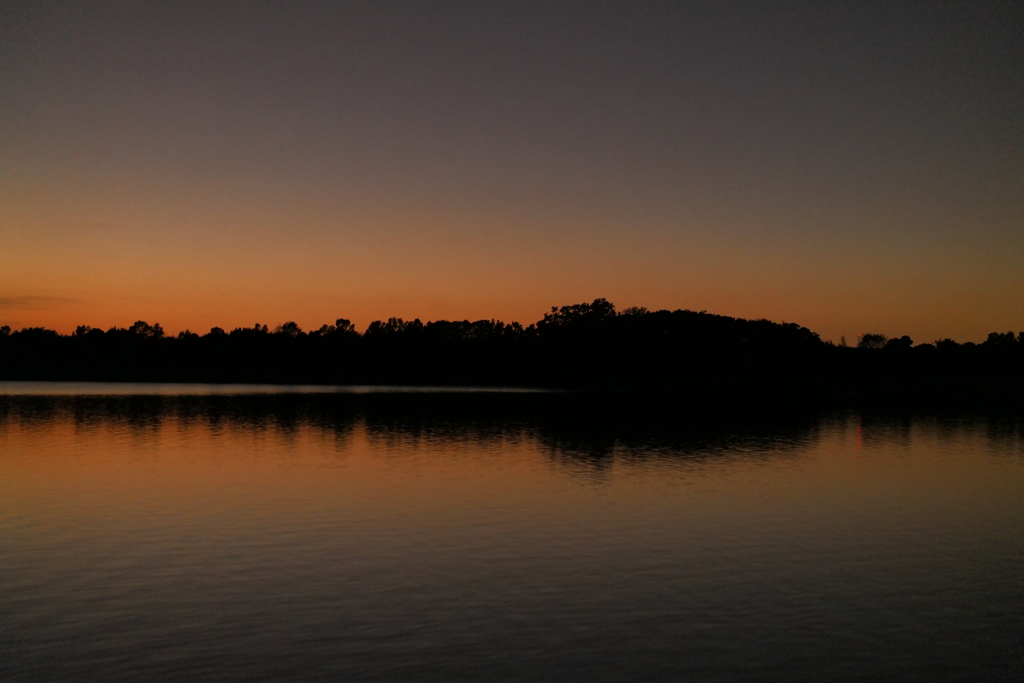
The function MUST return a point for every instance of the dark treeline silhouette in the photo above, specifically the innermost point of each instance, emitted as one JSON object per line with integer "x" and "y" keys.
{"x": 583, "y": 346}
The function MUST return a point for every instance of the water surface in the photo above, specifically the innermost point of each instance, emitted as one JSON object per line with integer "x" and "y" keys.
{"x": 487, "y": 537}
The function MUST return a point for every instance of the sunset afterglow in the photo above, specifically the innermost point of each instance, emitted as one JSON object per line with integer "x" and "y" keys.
{"x": 198, "y": 165}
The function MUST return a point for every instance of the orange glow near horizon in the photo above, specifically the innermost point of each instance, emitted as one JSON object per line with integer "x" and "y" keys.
{"x": 104, "y": 275}
{"x": 199, "y": 167}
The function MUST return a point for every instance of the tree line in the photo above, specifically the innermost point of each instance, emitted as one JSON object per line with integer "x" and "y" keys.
{"x": 580, "y": 346}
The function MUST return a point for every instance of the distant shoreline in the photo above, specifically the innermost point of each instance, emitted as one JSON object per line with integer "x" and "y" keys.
{"x": 683, "y": 356}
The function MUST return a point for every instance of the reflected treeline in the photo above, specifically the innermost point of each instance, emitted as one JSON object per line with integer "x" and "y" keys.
{"x": 579, "y": 430}
{"x": 580, "y": 427}
{"x": 1001, "y": 429}
{"x": 583, "y": 346}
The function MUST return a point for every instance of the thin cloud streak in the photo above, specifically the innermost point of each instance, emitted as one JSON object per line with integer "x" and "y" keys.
{"x": 34, "y": 301}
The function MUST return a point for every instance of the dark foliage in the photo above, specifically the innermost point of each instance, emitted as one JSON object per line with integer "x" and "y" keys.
{"x": 582, "y": 346}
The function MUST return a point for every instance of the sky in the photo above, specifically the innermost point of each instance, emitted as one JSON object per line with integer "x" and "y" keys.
{"x": 849, "y": 166}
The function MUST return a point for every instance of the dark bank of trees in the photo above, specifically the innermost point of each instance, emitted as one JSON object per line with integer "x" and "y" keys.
{"x": 583, "y": 346}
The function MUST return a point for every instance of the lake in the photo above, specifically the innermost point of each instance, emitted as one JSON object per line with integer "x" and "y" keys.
{"x": 195, "y": 534}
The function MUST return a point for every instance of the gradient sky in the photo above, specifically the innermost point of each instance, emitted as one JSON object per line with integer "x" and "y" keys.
{"x": 850, "y": 166}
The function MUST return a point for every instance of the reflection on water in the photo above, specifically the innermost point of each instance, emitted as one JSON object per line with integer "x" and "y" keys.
{"x": 503, "y": 537}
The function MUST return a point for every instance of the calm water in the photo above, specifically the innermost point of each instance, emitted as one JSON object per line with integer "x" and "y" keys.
{"x": 488, "y": 537}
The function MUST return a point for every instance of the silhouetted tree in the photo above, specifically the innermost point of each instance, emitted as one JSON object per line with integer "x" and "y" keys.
{"x": 577, "y": 316}
{"x": 35, "y": 334}
{"x": 289, "y": 329}
{"x": 344, "y": 326}
{"x": 903, "y": 342}
{"x": 393, "y": 326}
{"x": 144, "y": 329}
{"x": 1004, "y": 339}
{"x": 635, "y": 310}
{"x": 871, "y": 341}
